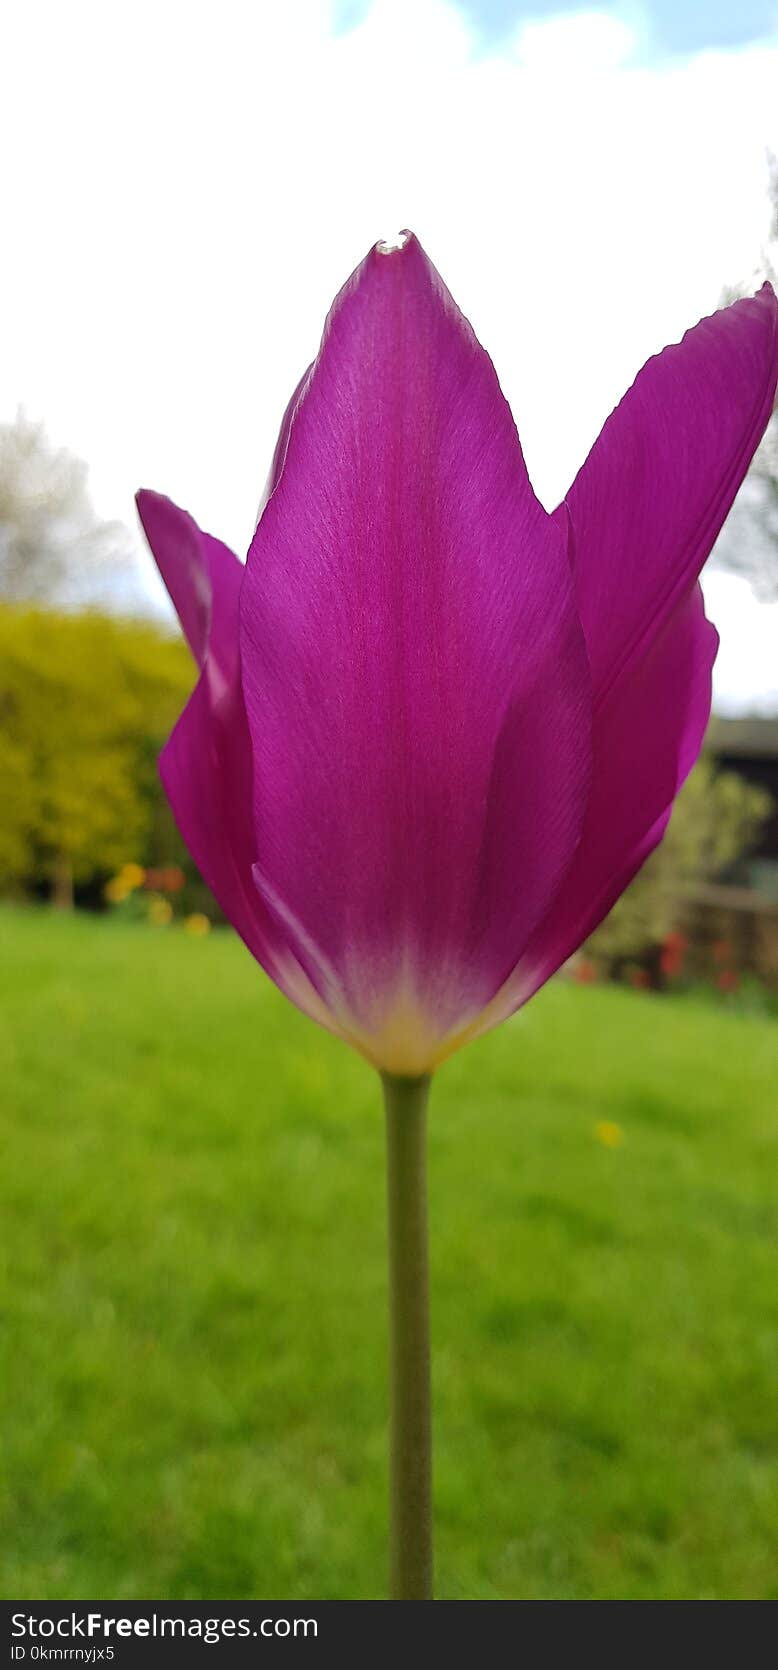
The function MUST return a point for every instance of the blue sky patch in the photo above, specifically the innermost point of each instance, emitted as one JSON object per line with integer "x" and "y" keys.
{"x": 671, "y": 26}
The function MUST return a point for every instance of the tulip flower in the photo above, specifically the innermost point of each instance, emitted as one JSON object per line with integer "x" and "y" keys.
{"x": 438, "y": 730}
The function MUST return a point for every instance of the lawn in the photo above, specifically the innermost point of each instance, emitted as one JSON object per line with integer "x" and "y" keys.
{"x": 193, "y": 1289}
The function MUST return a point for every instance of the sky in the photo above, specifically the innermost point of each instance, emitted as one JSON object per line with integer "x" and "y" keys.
{"x": 658, "y": 26}
{"x": 188, "y": 185}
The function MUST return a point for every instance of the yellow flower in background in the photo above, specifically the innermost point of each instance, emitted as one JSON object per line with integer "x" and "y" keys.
{"x": 609, "y": 1133}
{"x": 197, "y": 924}
{"x": 132, "y": 875}
{"x": 160, "y": 912}
{"x": 129, "y": 877}
{"x": 115, "y": 890}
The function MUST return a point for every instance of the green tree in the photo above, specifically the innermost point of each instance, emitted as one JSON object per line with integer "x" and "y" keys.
{"x": 716, "y": 820}
{"x": 85, "y": 703}
{"x": 18, "y": 816}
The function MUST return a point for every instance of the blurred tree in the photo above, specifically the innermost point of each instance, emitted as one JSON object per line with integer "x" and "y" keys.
{"x": 85, "y": 704}
{"x": 749, "y": 541}
{"x": 18, "y": 815}
{"x": 53, "y": 548}
{"x": 717, "y": 818}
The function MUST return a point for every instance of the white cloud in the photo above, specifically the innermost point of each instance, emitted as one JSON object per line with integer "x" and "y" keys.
{"x": 576, "y": 43}
{"x": 187, "y": 186}
{"x": 745, "y": 677}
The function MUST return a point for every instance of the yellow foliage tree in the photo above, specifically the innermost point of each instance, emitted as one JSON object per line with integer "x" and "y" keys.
{"x": 85, "y": 703}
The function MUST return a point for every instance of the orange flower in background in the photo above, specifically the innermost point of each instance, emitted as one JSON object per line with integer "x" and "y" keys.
{"x": 173, "y": 878}
{"x": 673, "y": 955}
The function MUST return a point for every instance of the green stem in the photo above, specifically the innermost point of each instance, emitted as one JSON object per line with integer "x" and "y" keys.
{"x": 410, "y": 1453}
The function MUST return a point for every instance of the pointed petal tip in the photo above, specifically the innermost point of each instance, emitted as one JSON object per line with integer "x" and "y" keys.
{"x": 765, "y": 302}
{"x": 150, "y": 496}
{"x": 145, "y": 498}
{"x": 396, "y": 244}
{"x": 649, "y": 501}
{"x": 176, "y": 544}
{"x": 152, "y": 505}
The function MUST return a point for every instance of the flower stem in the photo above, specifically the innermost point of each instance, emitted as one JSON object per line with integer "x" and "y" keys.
{"x": 410, "y": 1453}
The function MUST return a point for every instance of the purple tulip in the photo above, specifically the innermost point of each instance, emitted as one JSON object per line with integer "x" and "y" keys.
{"x": 437, "y": 730}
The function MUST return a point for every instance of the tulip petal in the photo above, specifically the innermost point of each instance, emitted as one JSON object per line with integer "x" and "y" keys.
{"x": 653, "y": 494}
{"x": 206, "y": 764}
{"x": 414, "y": 672}
{"x": 641, "y": 518}
{"x": 181, "y": 556}
{"x": 647, "y": 735}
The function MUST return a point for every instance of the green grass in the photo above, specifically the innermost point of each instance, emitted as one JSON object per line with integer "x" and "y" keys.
{"x": 193, "y": 1289}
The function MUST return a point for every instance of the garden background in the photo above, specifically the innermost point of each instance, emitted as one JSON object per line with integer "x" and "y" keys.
{"x": 192, "y": 1258}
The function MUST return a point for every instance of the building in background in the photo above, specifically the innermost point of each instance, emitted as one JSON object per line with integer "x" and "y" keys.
{"x": 739, "y": 910}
